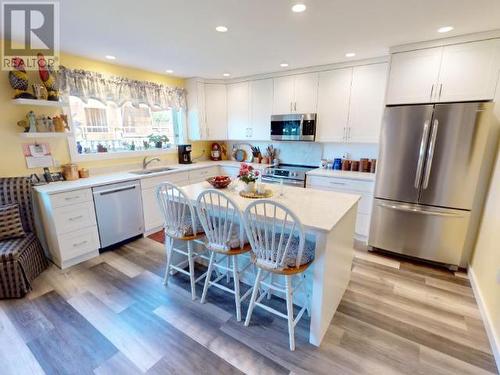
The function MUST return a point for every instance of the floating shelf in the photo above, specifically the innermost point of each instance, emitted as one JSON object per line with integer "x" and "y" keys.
{"x": 45, "y": 135}
{"x": 38, "y": 102}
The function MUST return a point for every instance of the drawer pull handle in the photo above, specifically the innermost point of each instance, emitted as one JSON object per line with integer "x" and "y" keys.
{"x": 78, "y": 244}
{"x": 75, "y": 218}
{"x": 337, "y": 183}
{"x": 71, "y": 198}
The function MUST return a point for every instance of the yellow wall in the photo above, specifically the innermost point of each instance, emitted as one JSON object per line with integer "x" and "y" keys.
{"x": 12, "y": 162}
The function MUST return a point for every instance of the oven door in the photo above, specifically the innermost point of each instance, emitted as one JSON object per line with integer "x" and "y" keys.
{"x": 286, "y": 181}
{"x": 293, "y": 127}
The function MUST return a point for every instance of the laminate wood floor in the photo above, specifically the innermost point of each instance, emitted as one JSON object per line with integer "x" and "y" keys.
{"x": 112, "y": 315}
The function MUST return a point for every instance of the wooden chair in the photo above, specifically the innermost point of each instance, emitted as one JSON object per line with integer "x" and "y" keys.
{"x": 225, "y": 236}
{"x": 279, "y": 248}
{"x": 182, "y": 224}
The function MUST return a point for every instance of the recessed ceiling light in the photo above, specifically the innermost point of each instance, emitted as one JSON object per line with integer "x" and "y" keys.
{"x": 169, "y": 71}
{"x": 298, "y": 8}
{"x": 350, "y": 54}
{"x": 445, "y": 29}
{"x": 221, "y": 29}
{"x": 226, "y": 74}
{"x": 110, "y": 57}
{"x": 284, "y": 65}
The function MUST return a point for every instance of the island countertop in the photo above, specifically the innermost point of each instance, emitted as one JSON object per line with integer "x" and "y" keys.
{"x": 316, "y": 209}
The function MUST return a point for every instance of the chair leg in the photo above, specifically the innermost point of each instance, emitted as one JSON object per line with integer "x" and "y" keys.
{"x": 269, "y": 289}
{"x": 253, "y": 297}
{"x": 228, "y": 265}
{"x": 289, "y": 308}
{"x": 191, "y": 270}
{"x": 236, "y": 278}
{"x": 208, "y": 277}
{"x": 169, "y": 242}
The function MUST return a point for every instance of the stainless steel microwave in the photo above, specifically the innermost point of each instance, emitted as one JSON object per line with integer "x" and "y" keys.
{"x": 293, "y": 127}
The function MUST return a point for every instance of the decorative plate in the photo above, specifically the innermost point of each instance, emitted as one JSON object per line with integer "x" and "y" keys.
{"x": 254, "y": 195}
{"x": 240, "y": 155}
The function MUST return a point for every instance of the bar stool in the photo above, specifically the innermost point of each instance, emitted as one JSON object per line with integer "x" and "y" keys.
{"x": 279, "y": 248}
{"x": 225, "y": 236}
{"x": 181, "y": 223}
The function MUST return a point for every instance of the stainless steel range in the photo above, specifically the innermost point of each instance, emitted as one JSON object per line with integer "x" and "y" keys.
{"x": 293, "y": 175}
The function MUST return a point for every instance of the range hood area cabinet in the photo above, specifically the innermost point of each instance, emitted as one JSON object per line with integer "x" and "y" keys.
{"x": 351, "y": 104}
{"x": 452, "y": 73}
{"x": 296, "y": 93}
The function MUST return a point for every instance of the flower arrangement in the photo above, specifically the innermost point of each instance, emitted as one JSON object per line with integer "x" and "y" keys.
{"x": 248, "y": 174}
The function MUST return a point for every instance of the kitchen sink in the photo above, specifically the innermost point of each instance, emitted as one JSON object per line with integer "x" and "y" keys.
{"x": 152, "y": 170}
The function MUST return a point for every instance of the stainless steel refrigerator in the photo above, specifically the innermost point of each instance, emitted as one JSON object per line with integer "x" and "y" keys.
{"x": 434, "y": 163}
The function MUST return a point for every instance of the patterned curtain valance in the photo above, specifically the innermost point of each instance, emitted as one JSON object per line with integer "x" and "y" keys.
{"x": 91, "y": 85}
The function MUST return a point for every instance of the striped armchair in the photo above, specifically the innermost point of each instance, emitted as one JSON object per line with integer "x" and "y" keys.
{"x": 21, "y": 259}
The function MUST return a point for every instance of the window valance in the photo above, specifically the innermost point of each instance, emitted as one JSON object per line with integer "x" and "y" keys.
{"x": 91, "y": 85}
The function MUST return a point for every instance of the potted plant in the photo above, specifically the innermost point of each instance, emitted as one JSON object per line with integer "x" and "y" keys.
{"x": 248, "y": 175}
{"x": 158, "y": 140}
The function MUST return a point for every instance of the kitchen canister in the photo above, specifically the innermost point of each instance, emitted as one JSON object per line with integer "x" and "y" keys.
{"x": 355, "y": 166}
{"x": 364, "y": 165}
{"x": 346, "y": 165}
{"x": 70, "y": 172}
{"x": 337, "y": 164}
{"x": 373, "y": 165}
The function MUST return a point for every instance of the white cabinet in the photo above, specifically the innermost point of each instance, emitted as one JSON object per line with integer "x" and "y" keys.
{"x": 238, "y": 111}
{"x": 295, "y": 94}
{"x": 334, "y": 92}
{"x": 216, "y": 111}
{"x": 261, "y": 108}
{"x": 461, "y": 72}
{"x": 367, "y": 103}
{"x": 345, "y": 185}
{"x": 196, "y": 118}
{"x": 200, "y": 175}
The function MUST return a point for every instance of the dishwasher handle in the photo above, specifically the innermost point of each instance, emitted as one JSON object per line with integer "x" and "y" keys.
{"x": 112, "y": 191}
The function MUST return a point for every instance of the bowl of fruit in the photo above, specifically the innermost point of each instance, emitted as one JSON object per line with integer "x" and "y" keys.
{"x": 219, "y": 182}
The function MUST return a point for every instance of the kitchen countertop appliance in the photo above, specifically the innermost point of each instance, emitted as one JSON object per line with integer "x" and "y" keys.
{"x": 184, "y": 152}
{"x": 292, "y": 175}
{"x": 293, "y": 127}
{"x": 118, "y": 209}
{"x": 432, "y": 175}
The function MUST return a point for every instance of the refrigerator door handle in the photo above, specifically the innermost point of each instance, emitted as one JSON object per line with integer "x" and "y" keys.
{"x": 430, "y": 154}
{"x": 418, "y": 210}
{"x": 421, "y": 154}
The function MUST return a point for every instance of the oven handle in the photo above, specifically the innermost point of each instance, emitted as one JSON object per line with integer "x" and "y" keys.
{"x": 285, "y": 181}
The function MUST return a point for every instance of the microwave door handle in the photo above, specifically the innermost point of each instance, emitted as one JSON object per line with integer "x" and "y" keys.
{"x": 301, "y": 126}
{"x": 421, "y": 154}
{"x": 430, "y": 154}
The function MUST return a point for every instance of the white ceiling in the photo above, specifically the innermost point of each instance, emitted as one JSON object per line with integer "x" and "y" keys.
{"x": 180, "y": 34}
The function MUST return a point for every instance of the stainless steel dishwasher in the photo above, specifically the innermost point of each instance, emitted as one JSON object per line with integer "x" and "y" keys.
{"x": 118, "y": 209}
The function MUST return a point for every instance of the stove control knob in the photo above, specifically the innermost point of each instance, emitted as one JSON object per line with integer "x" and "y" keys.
{"x": 294, "y": 174}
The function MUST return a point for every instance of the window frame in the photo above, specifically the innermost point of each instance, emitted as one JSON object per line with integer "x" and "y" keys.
{"x": 179, "y": 118}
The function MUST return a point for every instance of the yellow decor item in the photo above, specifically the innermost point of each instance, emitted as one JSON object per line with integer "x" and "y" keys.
{"x": 18, "y": 79}
{"x": 48, "y": 78}
{"x": 268, "y": 193}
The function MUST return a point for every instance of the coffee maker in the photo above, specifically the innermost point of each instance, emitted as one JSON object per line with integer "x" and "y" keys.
{"x": 184, "y": 154}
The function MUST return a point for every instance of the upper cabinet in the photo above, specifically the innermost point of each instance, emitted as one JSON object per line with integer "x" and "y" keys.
{"x": 238, "y": 110}
{"x": 196, "y": 110}
{"x": 366, "y": 106}
{"x": 295, "y": 94}
{"x": 461, "y": 72}
{"x": 261, "y": 108}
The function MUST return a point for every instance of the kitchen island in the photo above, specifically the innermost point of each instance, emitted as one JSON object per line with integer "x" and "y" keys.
{"x": 330, "y": 218}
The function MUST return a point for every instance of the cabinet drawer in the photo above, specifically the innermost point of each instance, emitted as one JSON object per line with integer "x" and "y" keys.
{"x": 74, "y": 217}
{"x": 342, "y": 183}
{"x": 230, "y": 171}
{"x": 78, "y": 243}
{"x": 175, "y": 178}
{"x": 199, "y": 175}
{"x": 71, "y": 197}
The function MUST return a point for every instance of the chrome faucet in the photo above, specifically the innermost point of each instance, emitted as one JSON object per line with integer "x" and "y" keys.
{"x": 146, "y": 162}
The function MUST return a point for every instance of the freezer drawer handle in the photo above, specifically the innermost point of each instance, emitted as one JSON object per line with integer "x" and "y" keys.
{"x": 75, "y": 218}
{"x": 430, "y": 154}
{"x": 112, "y": 191}
{"x": 421, "y": 154}
{"x": 419, "y": 211}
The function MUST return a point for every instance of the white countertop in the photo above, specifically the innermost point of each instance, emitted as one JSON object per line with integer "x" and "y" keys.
{"x": 365, "y": 176}
{"x": 105, "y": 179}
{"x": 316, "y": 209}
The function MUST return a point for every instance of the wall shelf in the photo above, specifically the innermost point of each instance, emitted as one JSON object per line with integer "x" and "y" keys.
{"x": 38, "y": 103}
{"x": 40, "y": 135}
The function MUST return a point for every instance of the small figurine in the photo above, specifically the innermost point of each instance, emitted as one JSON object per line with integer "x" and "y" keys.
{"x": 31, "y": 121}
{"x": 48, "y": 78}
{"x": 18, "y": 79}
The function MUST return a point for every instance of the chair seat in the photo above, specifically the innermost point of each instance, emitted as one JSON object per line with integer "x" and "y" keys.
{"x": 13, "y": 248}
{"x": 236, "y": 251}
{"x": 291, "y": 256}
{"x": 185, "y": 230}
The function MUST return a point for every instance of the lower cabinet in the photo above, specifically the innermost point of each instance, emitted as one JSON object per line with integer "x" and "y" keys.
{"x": 344, "y": 185}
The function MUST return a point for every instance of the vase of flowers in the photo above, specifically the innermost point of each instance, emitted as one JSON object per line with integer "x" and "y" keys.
{"x": 248, "y": 175}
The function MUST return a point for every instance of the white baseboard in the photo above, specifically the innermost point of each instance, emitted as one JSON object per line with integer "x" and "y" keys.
{"x": 488, "y": 325}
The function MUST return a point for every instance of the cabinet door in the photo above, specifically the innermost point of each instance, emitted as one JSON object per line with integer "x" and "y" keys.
{"x": 261, "y": 108}
{"x": 216, "y": 111}
{"x": 469, "y": 71}
{"x": 238, "y": 111}
{"x": 306, "y": 93}
{"x": 333, "y": 105}
{"x": 196, "y": 110}
{"x": 283, "y": 95}
{"x": 367, "y": 103}
{"x": 413, "y": 76}
{"x": 151, "y": 210}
